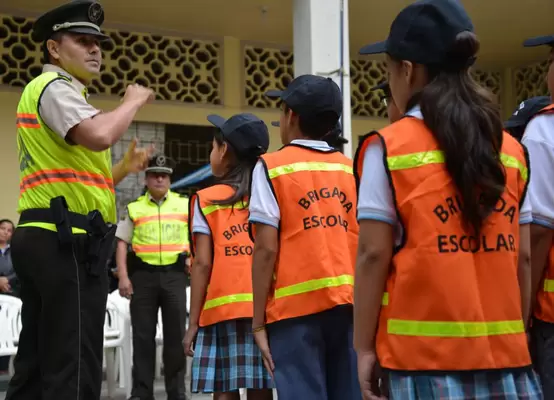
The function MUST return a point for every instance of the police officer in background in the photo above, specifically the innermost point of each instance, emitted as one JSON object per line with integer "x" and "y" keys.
{"x": 153, "y": 276}
{"x": 67, "y": 204}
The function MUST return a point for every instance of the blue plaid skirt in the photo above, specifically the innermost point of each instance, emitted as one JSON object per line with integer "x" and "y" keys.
{"x": 493, "y": 385}
{"x": 226, "y": 359}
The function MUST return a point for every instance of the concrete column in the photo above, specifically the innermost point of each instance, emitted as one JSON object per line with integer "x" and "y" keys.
{"x": 321, "y": 47}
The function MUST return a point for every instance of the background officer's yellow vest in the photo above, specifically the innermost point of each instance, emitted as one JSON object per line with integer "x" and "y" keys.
{"x": 50, "y": 167}
{"x": 160, "y": 232}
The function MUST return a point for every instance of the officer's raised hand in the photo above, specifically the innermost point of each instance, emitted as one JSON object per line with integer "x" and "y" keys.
{"x": 138, "y": 94}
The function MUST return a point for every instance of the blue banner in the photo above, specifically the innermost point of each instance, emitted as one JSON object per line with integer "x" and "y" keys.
{"x": 191, "y": 179}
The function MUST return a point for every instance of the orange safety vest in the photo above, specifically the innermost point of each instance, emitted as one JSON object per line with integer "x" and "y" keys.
{"x": 318, "y": 232}
{"x": 229, "y": 294}
{"x": 453, "y": 300}
{"x": 544, "y": 309}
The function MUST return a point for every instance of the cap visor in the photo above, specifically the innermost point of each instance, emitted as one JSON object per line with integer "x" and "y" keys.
{"x": 161, "y": 170}
{"x": 216, "y": 120}
{"x": 539, "y": 41}
{"x": 276, "y": 124}
{"x": 89, "y": 31}
{"x": 381, "y": 86}
{"x": 375, "y": 48}
{"x": 276, "y": 94}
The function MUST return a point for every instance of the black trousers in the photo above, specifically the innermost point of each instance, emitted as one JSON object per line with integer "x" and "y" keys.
{"x": 61, "y": 342}
{"x": 154, "y": 289}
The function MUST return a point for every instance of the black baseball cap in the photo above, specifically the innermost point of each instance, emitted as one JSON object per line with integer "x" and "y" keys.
{"x": 310, "y": 96}
{"x": 384, "y": 86}
{"x": 424, "y": 33}
{"x": 246, "y": 133}
{"x": 78, "y": 16}
{"x": 540, "y": 41}
{"x": 526, "y": 110}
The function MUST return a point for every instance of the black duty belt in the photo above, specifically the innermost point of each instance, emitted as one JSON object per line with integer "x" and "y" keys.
{"x": 46, "y": 215}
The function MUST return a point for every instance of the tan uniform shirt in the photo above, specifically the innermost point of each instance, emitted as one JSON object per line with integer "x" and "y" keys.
{"x": 62, "y": 104}
{"x": 125, "y": 227}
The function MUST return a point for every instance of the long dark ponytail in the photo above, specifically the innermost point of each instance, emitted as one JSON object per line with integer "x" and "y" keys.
{"x": 238, "y": 177}
{"x": 466, "y": 121}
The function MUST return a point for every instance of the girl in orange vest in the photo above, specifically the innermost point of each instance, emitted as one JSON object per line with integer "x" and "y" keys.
{"x": 442, "y": 285}
{"x": 226, "y": 357}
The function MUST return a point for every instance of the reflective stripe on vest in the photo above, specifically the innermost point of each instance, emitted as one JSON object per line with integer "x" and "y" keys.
{"x": 307, "y": 278}
{"x": 229, "y": 293}
{"x": 415, "y": 160}
{"x": 160, "y": 232}
{"x": 51, "y": 167}
{"x": 549, "y": 285}
{"x": 308, "y": 166}
{"x": 470, "y": 316}
{"x": 453, "y": 329}
{"x": 315, "y": 284}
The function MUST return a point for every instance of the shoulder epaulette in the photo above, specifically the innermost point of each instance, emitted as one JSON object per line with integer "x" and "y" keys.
{"x": 65, "y": 77}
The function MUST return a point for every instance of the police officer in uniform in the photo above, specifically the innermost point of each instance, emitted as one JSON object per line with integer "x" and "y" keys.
{"x": 67, "y": 204}
{"x": 153, "y": 276}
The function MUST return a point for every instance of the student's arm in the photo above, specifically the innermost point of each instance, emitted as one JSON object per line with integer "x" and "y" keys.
{"x": 200, "y": 276}
{"x": 263, "y": 266}
{"x": 372, "y": 267}
{"x": 264, "y": 217}
{"x": 524, "y": 272}
{"x": 377, "y": 219}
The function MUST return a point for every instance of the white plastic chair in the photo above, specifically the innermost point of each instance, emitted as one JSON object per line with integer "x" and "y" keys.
{"x": 10, "y": 327}
{"x": 117, "y": 336}
{"x": 123, "y": 304}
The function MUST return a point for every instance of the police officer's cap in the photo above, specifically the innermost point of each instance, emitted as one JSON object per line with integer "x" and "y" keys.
{"x": 526, "y": 110}
{"x": 547, "y": 40}
{"x": 78, "y": 16}
{"x": 246, "y": 133}
{"x": 310, "y": 95}
{"x": 160, "y": 164}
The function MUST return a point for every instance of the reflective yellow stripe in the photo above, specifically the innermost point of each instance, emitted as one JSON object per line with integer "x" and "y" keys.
{"x": 214, "y": 207}
{"x": 232, "y": 298}
{"x": 385, "y": 301}
{"x": 415, "y": 160}
{"x": 549, "y": 285}
{"x": 308, "y": 166}
{"x": 314, "y": 284}
{"x": 453, "y": 329}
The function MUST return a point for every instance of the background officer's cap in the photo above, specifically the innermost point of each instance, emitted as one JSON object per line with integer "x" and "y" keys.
{"x": 310, "y": 95}
{"x": 246, "y": 133}
{"x": 527, "y": 110}
{"x": 547, "y": 40}
{"x": 79, "y": 16}
{"x": 160, "y": 164}
{"x": 384, "y": 86}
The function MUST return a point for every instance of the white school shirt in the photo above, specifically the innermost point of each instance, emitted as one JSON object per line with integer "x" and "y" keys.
{"x": 539, "y": 140}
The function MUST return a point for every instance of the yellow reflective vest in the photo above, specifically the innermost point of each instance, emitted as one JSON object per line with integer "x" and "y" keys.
{"x": 160, "y": 231}
{"x": 50, "y": 167}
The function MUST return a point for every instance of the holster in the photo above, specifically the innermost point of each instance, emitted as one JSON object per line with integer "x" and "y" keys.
{"x": 60, "y": 216}
{"x": 101, "y": 239}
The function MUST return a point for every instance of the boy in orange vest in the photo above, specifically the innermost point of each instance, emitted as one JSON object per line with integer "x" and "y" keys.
{"x": 303, "y": 223}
